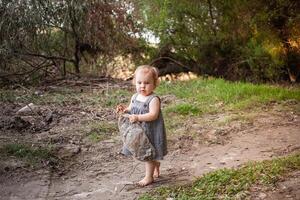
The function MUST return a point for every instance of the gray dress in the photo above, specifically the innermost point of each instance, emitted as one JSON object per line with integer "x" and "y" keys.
{"x": 155, "y": 130}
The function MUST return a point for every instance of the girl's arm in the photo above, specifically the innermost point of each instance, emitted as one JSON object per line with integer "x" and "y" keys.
{"x": 153, "y": 113}
{"x": 128, "y": 109}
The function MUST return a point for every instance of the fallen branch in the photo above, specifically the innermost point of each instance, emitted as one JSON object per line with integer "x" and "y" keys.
{"x": 27, "y": 72}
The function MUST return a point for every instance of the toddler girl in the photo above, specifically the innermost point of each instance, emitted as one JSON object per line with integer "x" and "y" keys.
{"x": 144, "y": 107}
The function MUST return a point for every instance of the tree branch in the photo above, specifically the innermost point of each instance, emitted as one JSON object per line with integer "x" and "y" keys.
{"x": 46, "y": 57}
{"x": 27, "y": 72}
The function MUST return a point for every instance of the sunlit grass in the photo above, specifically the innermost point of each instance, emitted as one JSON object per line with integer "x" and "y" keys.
{"x": 229, "y": 183}
{"x": 184, "y": 109}
{"x": 217, "y": 95}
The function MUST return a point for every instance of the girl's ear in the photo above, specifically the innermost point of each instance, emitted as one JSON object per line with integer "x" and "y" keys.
{"x": 156, "y": 75}
{"x": 133, "y": 81}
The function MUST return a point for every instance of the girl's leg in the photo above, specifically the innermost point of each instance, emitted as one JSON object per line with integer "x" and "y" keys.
{"x": 148, "y": 179}
{"x": 156, "y": 169}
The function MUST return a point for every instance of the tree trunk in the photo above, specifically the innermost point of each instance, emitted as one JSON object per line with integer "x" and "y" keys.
{"x": 77, "y": 57}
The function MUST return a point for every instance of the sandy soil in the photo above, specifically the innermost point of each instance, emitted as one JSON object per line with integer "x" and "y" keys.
{"x": 97, "y": 171}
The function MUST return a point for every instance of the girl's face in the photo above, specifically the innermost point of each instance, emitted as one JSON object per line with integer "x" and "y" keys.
{"x": 144, "y": 83}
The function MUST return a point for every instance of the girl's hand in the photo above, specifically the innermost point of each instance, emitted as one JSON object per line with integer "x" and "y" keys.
{"x": 120, "y": 108}
{"x": 133, "y": 118}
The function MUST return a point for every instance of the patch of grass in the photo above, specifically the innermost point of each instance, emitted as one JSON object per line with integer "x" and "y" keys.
{"x": 115, "y": 97}
{"x": 241, "y": 117}
{"x": 19, "y": 95}
{"x": 61, "y": 99}
{"x": 226, "y": 120}
{"x": 184, "y": 109}
{"x": 7, "y": 96}
{"x": 104, "y": 98}
{"x": 230, "y": 183}
{"x": 101, "y": 130}
{"x": 174, "y": 123}
{"x": 217, "y": 95}
{"x": 32, "y": 155}
{"x": 200, "y": 96}
{"x": 29, "y": 96}
{"x": 96, "y": 136}
{"x": 65, "y": 96}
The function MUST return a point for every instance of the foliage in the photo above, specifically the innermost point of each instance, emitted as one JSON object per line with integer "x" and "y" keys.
{"x": 230, "y": 183}
{"x": 235, "y": 39}
{"x": 255, "y": 41}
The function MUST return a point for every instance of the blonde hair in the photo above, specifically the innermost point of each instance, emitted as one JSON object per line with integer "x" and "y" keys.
{"x": 148, "y": 69}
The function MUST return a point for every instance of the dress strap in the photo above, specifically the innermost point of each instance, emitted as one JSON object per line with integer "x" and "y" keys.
{"x": 150, "y": 98}
{"x": 134, "y": 97}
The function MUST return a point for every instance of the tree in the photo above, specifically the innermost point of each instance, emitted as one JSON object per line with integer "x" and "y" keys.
{"x": 36, "y": 34}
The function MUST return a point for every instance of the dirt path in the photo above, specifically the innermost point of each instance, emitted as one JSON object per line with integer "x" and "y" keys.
{"x": 98, "y": 171}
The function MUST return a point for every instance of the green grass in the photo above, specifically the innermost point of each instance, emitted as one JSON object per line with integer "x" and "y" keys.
{"x": 217, "y": 95}
{"x": 229, "y": 183}
{"x": 184, "y": 109}
{"x": 32, "y": 155}
{"x": 197, "y": 96}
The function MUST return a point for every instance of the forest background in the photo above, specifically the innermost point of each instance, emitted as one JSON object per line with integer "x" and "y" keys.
{"x": 257, "y": 41}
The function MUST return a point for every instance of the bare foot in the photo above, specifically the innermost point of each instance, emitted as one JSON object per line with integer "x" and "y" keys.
{"x": 156, "y": 170}
{"x": 145, "y": 181}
